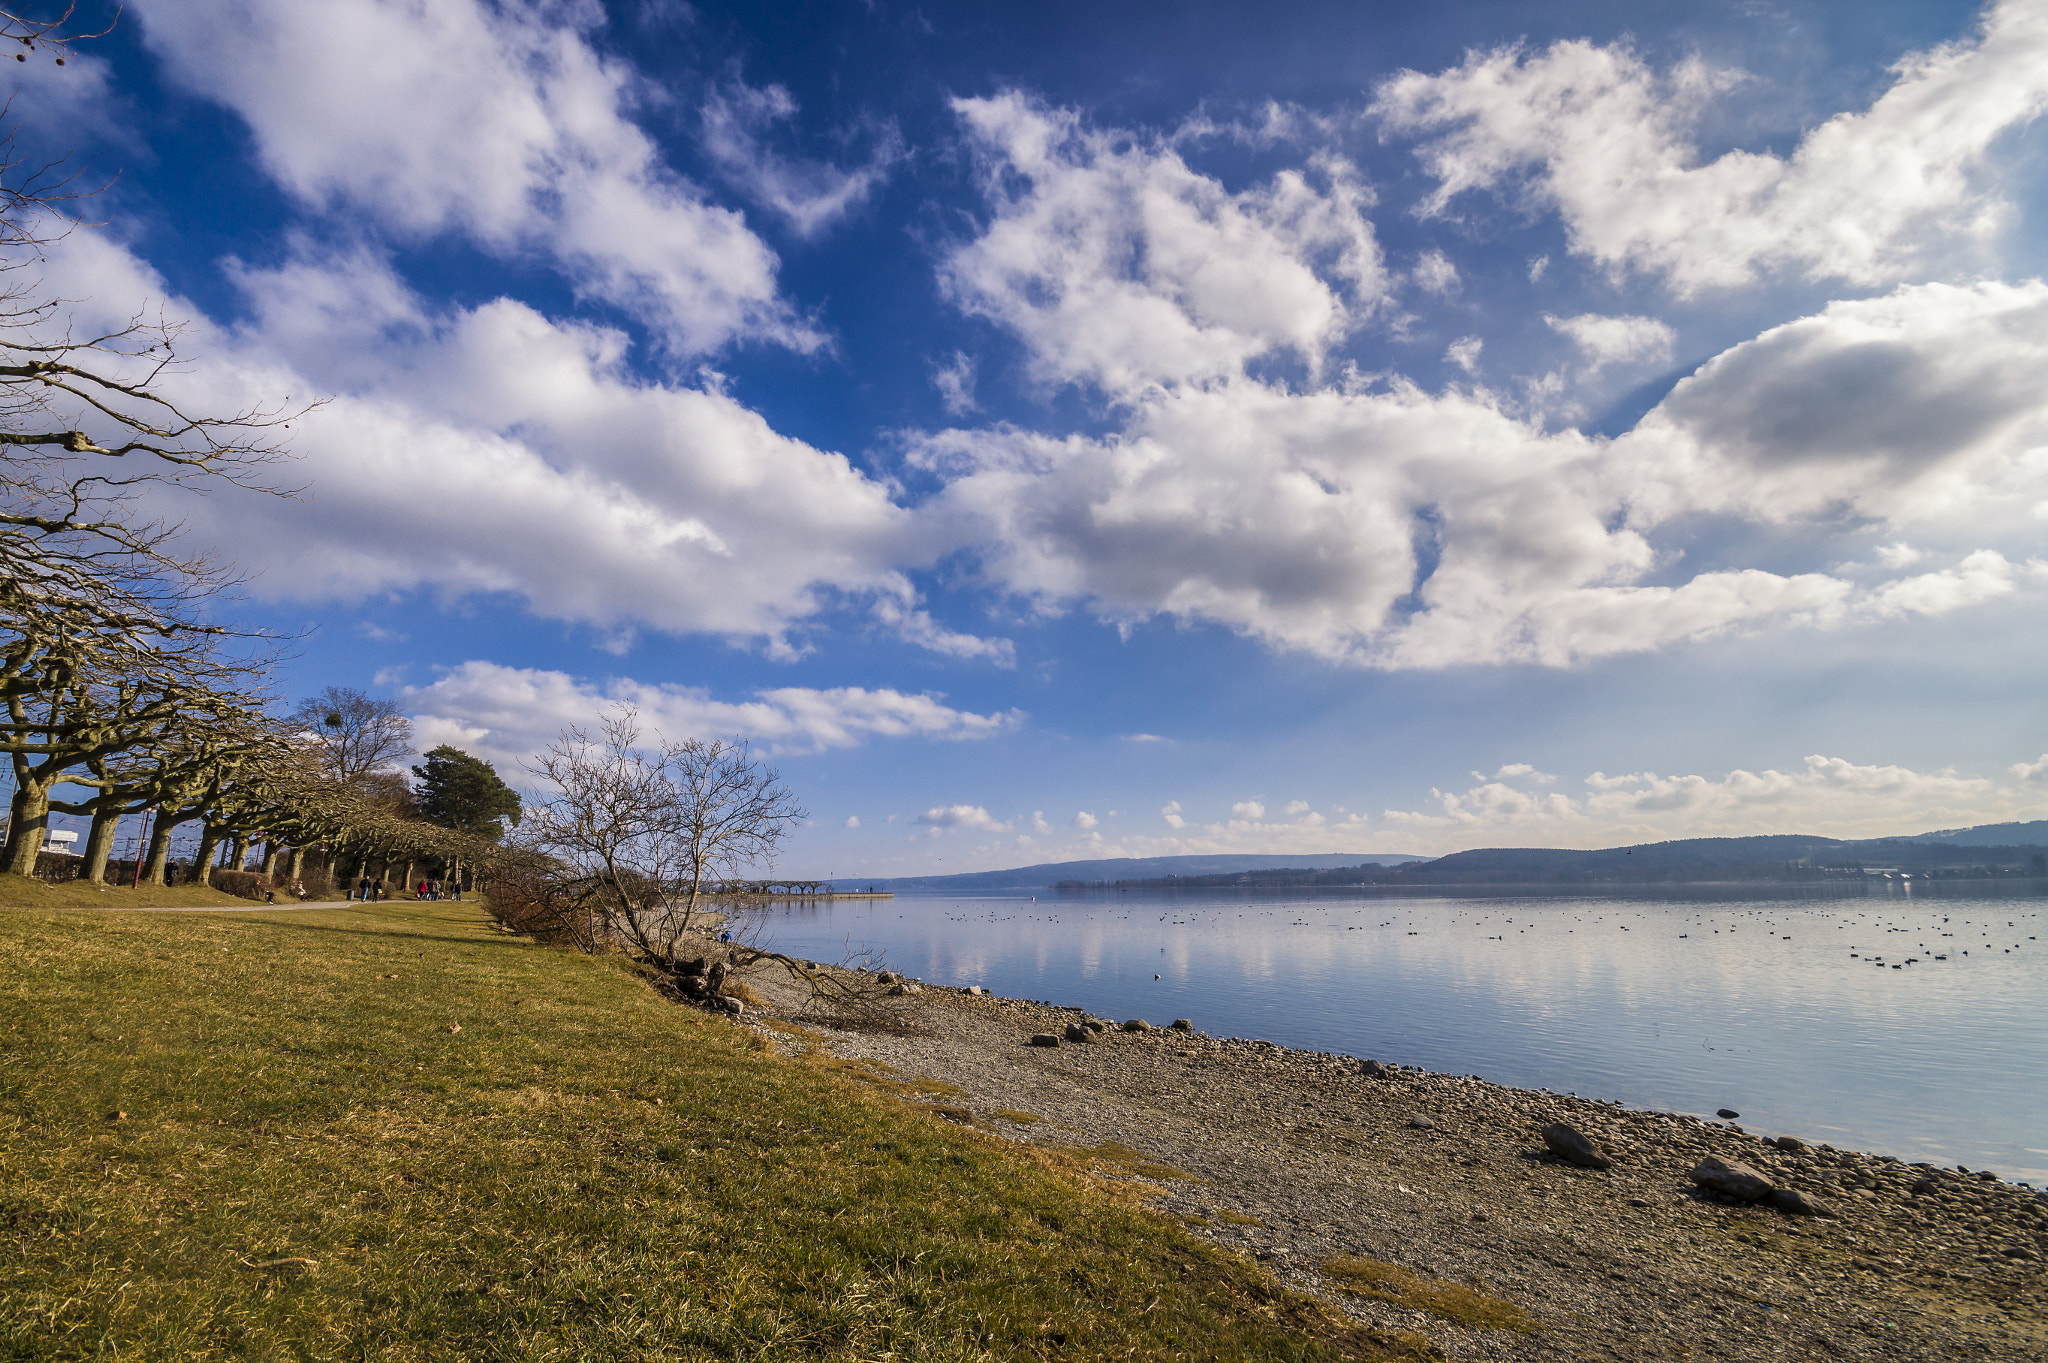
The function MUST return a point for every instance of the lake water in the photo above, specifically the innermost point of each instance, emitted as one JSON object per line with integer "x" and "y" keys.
{"x": 1781, "y": 1004}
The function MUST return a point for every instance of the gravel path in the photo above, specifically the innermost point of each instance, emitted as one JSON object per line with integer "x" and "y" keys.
{"x": 1298, "y": 1156}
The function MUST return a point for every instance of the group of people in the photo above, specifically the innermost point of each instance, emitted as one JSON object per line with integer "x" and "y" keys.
{"x": 368, "y": 890}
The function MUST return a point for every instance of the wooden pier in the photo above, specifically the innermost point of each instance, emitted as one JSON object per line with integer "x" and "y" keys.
{"x": 790, "y": 889}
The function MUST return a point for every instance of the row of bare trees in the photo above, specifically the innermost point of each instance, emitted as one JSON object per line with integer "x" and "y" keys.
{"x": 124, "y": 684}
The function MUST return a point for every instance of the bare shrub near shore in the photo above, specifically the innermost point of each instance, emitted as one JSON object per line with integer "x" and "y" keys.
{"x": 632, "y": 835}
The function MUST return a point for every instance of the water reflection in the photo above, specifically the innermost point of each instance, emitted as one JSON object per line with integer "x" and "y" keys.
{"x": 1821, "y": 1010}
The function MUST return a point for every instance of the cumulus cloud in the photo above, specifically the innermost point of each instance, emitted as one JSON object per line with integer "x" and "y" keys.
{"x": 739, "y": 124}
{"x": 1248, "y": 809}
{"x": 1173, "y": 816}
{"x": 1375, "y": 522}
{"x": 1826, "y": 795}
{"x": 1597, "y": 133}
{"x": 506, "y": 714}
{"x": 1084, "y": 821}
{"x": 852, "y": 821}
{"x": 1604, "y": 342}
{"x": 493, "y": 450}
{"x": 1123, "y": 267}
{"x": 972, "y": 817}
{"x": 498, "y": 122}
{"x": 1921, "y": 406}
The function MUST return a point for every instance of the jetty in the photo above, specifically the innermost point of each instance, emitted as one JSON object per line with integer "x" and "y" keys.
{"x": 791, "y": 889}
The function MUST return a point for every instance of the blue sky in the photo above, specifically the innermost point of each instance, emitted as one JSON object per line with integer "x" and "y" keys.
{"x": 1055, "y": 430}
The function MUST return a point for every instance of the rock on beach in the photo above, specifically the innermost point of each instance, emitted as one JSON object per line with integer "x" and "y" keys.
{"x": 1573, "y": 1148}
{"x": 1731, "y": 1178}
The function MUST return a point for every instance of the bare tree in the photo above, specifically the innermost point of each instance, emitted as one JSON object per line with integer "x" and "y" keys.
{"x": 359, "y": 735}
{"x": 641, "y": 832}
{"x": 732, "y": 812}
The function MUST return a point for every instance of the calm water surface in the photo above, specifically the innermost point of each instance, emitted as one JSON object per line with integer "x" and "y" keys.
{"x": 1785, "y": 1009}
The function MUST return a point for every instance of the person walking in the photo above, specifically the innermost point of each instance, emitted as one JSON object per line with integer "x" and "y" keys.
{"x": 363, "y": 890}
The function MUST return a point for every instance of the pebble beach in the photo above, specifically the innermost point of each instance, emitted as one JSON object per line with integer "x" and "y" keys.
{"x": 1317, "y": 1164}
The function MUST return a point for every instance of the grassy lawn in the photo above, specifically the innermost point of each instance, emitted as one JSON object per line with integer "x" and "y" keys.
{"x": 392, "y": 1132}
{"x": 21, "y": 892}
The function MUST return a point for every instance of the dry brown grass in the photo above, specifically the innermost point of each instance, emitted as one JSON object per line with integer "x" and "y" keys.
{"x": 1454, "y": 1302}
{"x": 20, "y": 892}
{"x": 584, "y": 1170}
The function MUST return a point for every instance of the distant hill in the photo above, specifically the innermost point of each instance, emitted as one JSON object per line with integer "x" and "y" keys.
{"x": 1988, "y": 849}
{"x": 1789, "y": 857}
{"x": 1122, "y": 868}
{"x": 2033, "y": 834}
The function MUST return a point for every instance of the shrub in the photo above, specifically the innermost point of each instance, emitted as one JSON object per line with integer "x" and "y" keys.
{"x": 533, "y": 899}
{"x": 243, "y": 884}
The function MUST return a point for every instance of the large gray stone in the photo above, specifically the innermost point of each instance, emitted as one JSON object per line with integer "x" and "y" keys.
{"x": 1137, "y": 1025}
{"x": 1573, "y": 1148}
{"x": 1081, "y": 1033}
{"x": 1045, "y": 1039}
{"x": 1796, "y": 1203}
{"x": 1731, "y": 1178}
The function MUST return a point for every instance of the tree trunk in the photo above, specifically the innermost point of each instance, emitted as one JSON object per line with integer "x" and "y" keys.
{"x": 295, "y": 866}
{"x": 270, "y": 855}
{"x": 99, "y": 845}
{"x": 690, "y": 908}
{"x": 209, "y": 848}
{"x": 159, "y": 851}
{"x": 238, "y": 852}
{"x": 25, "y": 829}
{"x": 405, "y": 886}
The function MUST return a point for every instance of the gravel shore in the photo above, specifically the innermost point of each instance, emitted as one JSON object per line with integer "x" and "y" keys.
{"x": 1298, "y": 1157}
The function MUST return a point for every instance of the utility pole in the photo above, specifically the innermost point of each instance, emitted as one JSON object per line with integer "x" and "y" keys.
{"x": 141, "y": 845}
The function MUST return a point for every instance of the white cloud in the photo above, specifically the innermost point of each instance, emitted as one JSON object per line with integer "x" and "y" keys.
{"x": 1038, "y": 823}
{"x": 972, "y": 817}
{"x": 1123, "y": 267}
{"x": 1597, "y": 133}
{"x": 506, "y": 714}
{"x": 738, "y": 126}
{"x": 955, "y": 381}
{"x": 499, "y": 122}
{"x": 852, "y": 821}
{"x": 1608, "y": 341}
{"x": 917, "y": 627}
{"x": 1384, "y": 525}
{"x": 1826, "y": 796}
{"x": 492, "y": 450}
{"x": 1464, "y": 353}
{"x": 1921, "y": 407}
{"x": 1173, "y": 816}
{"x": 1084, "y": 821}
{"x": 1295, "y": 808}
{"x": 1248, "y": 809}
{"x": 2033, "y": 773}
{"x": 1434, "y": 273}
{"x": 1983, "y": 576}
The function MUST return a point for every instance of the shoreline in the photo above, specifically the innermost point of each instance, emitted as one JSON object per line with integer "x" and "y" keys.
{"x": 1293, "y": 1157}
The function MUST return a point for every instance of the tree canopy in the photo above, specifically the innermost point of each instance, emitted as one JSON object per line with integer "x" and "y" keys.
{"x": 465, "y": 793}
